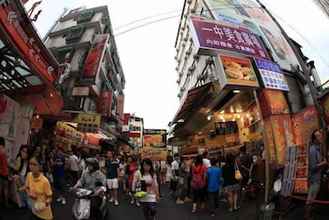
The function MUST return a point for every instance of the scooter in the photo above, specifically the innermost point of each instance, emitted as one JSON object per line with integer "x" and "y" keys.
{"x": 90, "y": 204}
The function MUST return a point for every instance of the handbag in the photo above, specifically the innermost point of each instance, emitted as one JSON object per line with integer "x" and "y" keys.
{"x": 237, "y": 174}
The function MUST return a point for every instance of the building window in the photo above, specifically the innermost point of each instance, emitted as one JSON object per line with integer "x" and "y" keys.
{"x": 85, "y": 16}
{"x": 74, "y": 35}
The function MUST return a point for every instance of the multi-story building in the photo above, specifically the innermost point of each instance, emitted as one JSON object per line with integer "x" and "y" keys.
{"x": 324, "y": 4}
{"x": 133, "y": 128}
{"x": 82, "y": 41}
{"x": 215, "y": 41}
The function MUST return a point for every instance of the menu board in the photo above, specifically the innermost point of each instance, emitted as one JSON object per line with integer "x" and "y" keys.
{"x": 271, "y": 75}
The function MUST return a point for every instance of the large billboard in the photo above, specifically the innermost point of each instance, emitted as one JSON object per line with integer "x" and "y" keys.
{"x": 209, "y": 35}
{"x": 248, "y": 14}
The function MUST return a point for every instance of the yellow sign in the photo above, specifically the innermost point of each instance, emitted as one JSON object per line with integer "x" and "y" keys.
{"x": 88, "y": 118}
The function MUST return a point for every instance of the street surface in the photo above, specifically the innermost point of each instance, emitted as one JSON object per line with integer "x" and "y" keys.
{"x": 167, "y": 210}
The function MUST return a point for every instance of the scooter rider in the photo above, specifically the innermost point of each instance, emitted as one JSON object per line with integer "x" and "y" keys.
{"x": 93, "y": 179}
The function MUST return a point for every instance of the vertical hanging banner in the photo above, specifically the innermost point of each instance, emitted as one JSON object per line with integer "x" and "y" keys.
{"x": 209, "y": 35}
{"x": 120, "y": 106}
{"x": 95, "y": 56}
{"x": 104, "y": 104}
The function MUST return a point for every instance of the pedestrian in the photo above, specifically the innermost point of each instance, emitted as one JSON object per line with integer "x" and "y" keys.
{"x": 175, "y": 175}
{"x": 163, "y": 172}
{"x": 168, "y": 168}
{"x": 231, "y": 184}
{"x": 198, "y": 182}
{"x": 184, "y": 172}
{"x": 122, "y": 174}
{"x": 112, "y": 166}
{"x": 214, "y": 179}
{"x": 316, "y": 165}
{"x": 4, "y": 174}
{"x": 132, "y": 167}
{"x": 58, "y": 163}
{"x": 244, "y": 162}
{"x": 39, "y": 192}
{"x": 74, "y": 167}
{"x": 147, "y": 180}
{"x": 21, "y": 170}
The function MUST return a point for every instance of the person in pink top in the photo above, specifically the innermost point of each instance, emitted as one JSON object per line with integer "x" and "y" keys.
{"x": 146, "y": 181}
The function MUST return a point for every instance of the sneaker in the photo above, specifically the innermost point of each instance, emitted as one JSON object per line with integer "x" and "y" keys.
{"x": 132, "y": 202}
{"x": 63, "y": 201}
{"x": 60, "y": 199}
{"x": 212, "y": 214}
{"x": 230, "y": 210}
{"x": 111, "y": 200}
{"x": 138, "y": 204}
{"x": 116, "y": 203}
{"x": 179, "y": 202}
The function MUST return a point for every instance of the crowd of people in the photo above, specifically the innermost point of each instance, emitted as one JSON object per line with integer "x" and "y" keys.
{"x": 203, "y": 181}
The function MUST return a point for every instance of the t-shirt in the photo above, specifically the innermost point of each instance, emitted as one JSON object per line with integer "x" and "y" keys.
{"x": 112, "y": 169}
{"x": 214, "y": 175}
{"x": 3, "y": 165}
{"x": 206, "y": 162}
{"x": 74, "y": 163}
{"x": 41, "y": 188}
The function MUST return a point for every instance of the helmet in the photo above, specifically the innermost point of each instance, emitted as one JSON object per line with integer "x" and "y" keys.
{"x": 93, "y": 162}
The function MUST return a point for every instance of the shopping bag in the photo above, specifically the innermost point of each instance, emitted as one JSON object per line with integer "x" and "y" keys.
{"x": 81, "y": 209}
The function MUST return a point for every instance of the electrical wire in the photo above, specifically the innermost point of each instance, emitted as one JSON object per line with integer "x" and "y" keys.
{"x": 165, "y": 18}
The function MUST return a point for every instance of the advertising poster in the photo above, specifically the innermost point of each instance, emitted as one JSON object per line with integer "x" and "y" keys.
{"x": 154, "y": 154}
{"x": 210, "y": 36}
{"x": 238, "y": 71}
{"x": 95, "y": 55}
{"x": 248, "y": 14}
{"x": 271, "y": 75}
{"x": 273, "y": 102}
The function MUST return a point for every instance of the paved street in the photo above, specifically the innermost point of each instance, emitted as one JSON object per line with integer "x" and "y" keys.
{"x": 168, "y": 210}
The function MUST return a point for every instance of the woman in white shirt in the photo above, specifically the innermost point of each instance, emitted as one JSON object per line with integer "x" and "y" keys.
{"x": 146, "y": 181}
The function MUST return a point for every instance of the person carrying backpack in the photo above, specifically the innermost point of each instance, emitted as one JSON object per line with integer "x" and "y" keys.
{"x": 198, "y": 182}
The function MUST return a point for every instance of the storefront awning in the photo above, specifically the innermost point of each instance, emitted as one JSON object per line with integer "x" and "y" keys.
{"x": 194, "y": 98}
{"x": 27, "y": 69}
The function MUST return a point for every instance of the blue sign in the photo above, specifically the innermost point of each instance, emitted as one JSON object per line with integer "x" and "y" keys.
{"x": 271, "y": 74}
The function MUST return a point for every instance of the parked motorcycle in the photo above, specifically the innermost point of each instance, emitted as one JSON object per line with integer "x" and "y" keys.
{"x": 90, "y": 204}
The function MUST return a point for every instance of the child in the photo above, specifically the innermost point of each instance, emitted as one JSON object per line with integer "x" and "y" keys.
{"x": 214, "y": 175}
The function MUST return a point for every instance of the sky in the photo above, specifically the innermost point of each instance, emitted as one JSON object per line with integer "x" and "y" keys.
{"x": 147, "y": 53}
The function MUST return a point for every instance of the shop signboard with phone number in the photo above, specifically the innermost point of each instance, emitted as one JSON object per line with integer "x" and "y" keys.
{"x": 271, "y": 75}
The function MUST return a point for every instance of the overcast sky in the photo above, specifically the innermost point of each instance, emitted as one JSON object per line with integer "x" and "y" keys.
{"x": 147, "y": 54}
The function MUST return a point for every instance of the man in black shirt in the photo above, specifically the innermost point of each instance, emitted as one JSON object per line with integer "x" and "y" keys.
{"x": 112, "y": 168}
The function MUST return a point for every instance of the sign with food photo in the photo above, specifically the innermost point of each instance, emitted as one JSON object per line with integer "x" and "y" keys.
{"x": 238, "y": 71}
